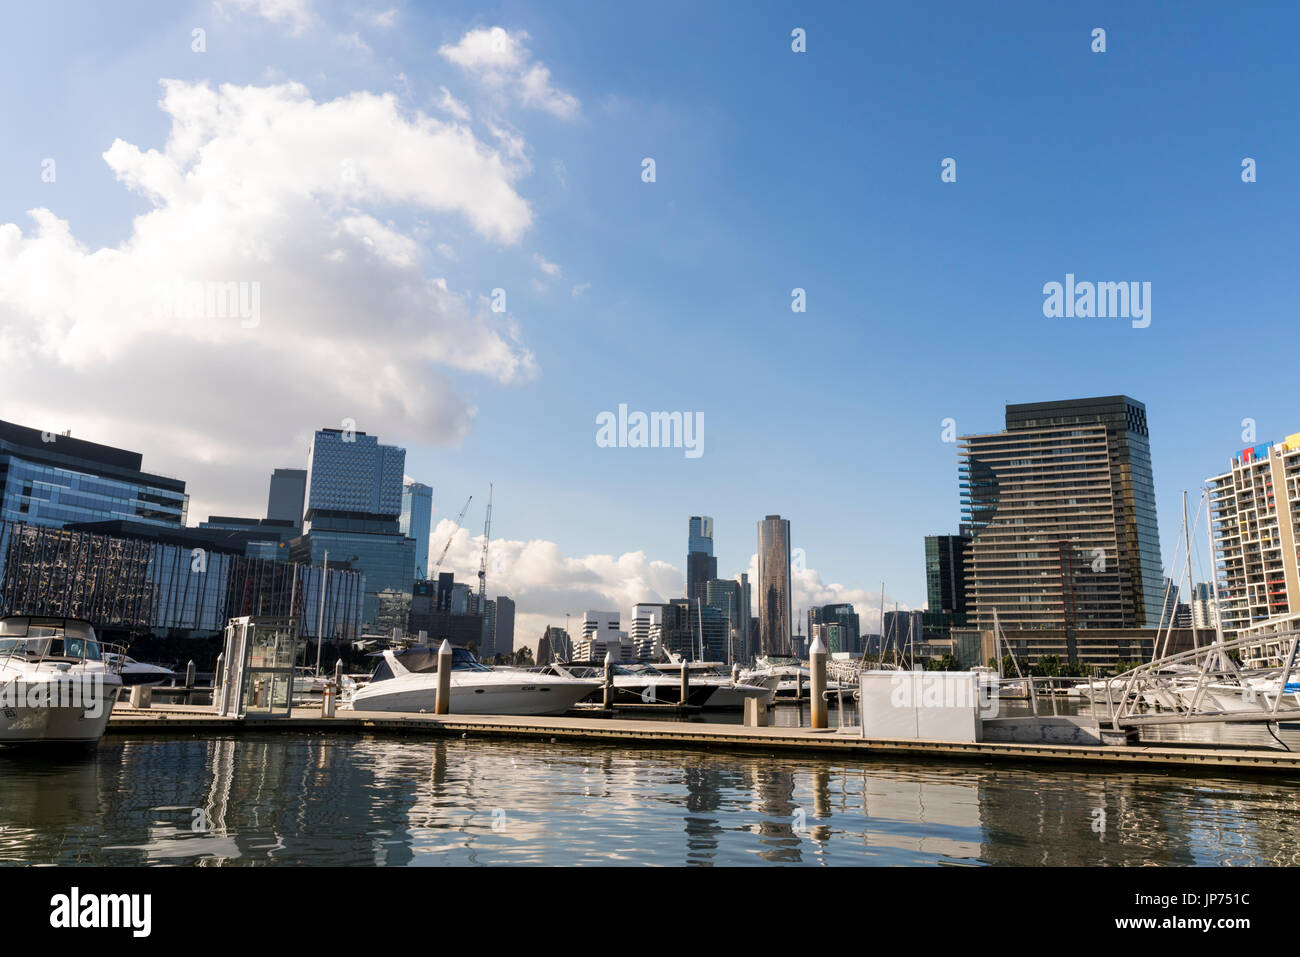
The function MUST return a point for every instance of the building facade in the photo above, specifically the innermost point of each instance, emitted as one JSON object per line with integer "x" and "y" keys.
{"x": 416, "y": 522}
{"x": 701, "y": 565}
{"x": 354, "y": 503}
{"x": 1255, "y": 508}
{"x": 774, "y": 614}
{"x": 1061, "y": 508}
{"x": 56, "y": 480}
{"x": 286, "y": 495}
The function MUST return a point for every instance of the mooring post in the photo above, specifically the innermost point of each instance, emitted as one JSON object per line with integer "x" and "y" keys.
{"x": 338, "y": 673}
{"x": 817, "y": 659}
{"x": 735, "y": 672}
{"x": 443, "y": 703}
{"x": 216, "y": 675}
{"x": 609, "y": 681}
{"x": 686, "y": 683}
{"x": 189, "y": 674}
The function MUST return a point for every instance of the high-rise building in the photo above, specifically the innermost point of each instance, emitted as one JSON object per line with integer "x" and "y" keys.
{"x": 1256, "y": 510}
{"x": 554, "y": 645}
{"x": 354, "y": 501}
{"x": 285, "y": 496}
{"x": 945, "y": 573}
{"x": 646, "y": 619}
{"x": 903, "y": 630}
{"x": 774, "y": 617}
{"x": 600, "y": 634}
{"x": 416, "y": 520}
{"x": 748, "y": 634}
{"x": 56, "y": 480}
{"x": 701, "y": 566}
{"x": 504, "y": 631}
{"x": 487, "y": 646}
{"x": 848, "y": 626}
{"x": 1205, "y": 612}
{"x": 1061, "y": 507}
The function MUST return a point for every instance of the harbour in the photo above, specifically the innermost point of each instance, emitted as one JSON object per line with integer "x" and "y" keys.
{"x": 254, "y": 797}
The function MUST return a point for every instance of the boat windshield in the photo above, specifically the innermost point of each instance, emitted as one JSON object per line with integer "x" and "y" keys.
{"x": 82, "y": 649}
{"x": 422, "y": 659}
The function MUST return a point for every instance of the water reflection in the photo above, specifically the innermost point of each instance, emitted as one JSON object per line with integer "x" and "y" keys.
{"x": 351, "y": 799}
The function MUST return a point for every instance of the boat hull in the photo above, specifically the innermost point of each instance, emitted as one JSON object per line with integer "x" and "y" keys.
{"x": 24, "y": 724}
{"x": 415, "y": 694}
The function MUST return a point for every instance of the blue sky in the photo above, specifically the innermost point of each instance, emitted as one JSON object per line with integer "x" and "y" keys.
{"x": 775, "y": 170}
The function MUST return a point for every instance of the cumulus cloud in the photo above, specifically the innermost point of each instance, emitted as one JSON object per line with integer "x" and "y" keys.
{"x": 284, "y": 202}
{"x": 503, "y": 65}
{"x": 295, "y": 14}
{"x": 546, "y": 584}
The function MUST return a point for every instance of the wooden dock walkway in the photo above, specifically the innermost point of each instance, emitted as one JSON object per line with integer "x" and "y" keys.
{"x": 843, "y": 743}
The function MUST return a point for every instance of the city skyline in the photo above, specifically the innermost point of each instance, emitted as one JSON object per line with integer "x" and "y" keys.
{"x": 736, "y": 218}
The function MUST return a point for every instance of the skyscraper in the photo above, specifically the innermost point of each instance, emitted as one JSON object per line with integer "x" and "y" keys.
{"x": 701, "y": 566}
{"x": 354, "y": 500}
{"x": 504, "y": 641}
{"x": 415, "y": 522}
{"x": 774, "y": 586}
{"x": 286, "y": 494}
{"x": 1256, "y": 511}
{"x": 945, "y": 585}
{"x": 1061, "y": 506}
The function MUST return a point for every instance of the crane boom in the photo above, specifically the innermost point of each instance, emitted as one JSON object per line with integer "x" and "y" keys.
{"x": 459, "y": 519}
{"x": 482, "y": 565}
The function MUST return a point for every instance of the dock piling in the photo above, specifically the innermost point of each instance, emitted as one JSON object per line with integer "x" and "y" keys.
{"x": 609, "y": 681}
{"x": 443, "y": 703}
{"x": 817, "y": 693}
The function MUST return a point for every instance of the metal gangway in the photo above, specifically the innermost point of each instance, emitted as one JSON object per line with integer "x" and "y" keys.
{"x": 1200, "y": 686}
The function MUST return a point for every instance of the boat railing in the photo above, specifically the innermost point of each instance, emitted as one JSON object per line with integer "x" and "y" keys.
{"x": 39, "y": 651}
{"x": 1188, "y": 687}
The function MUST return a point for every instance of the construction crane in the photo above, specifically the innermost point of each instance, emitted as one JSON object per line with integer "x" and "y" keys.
{"x": 459, "y": 519}
{"x": 482, "y": 565}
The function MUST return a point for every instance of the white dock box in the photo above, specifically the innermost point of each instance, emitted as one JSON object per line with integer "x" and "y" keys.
{"x": 920, "y": 705}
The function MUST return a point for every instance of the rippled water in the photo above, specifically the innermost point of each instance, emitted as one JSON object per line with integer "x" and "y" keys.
{"x": 352, "y": 799}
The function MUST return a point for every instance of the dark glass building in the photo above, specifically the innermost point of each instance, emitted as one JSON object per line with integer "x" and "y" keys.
{"x": 701, "y": 566}
{"x": 945, "y": 585}
{"x": 354, "y": 505}
{"x": 55, "y": 480}
{"x": 1061, "y": 506}
{"x": 774, "y": 617}
{"x": 286, "y": 495}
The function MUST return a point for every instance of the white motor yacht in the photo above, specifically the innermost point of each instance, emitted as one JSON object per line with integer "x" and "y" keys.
{"x": 406, "y": 680}
{"x": 636, "y": 683}
{"x": 728, "y": 695}
{"x": 134, "y": 672}
{"x": 56, "y": 686}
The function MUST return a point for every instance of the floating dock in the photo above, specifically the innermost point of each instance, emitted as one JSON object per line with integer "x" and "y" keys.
{"x": 700, "y": 735}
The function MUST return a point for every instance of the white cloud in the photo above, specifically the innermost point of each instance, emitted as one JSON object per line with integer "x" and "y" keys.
{"x": 501, "y": 62}
{"x": 265, "y": 186}
{"x": 546, "y": 584}
{"x": 580, "y": 288}
{"x": 550, "y": 268}
{"x": 295, "y": 14}
{"x": 449, "y": 104}
{"x": 381, "y": 19}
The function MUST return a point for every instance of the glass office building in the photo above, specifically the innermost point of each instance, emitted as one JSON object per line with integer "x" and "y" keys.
{"x": 774, "y": 587}
{"x": 354, "y": 507}
{"x": 415, "y": 522}
{"x": 56, "y": 480}
{"x": 1061, "y": 506}
{"x": 701, "y": 566}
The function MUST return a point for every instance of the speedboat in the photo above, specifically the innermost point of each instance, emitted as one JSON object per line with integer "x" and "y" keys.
{"x": 134, "y": 672}
{"x": 636, "y": 683}
{"x": 56, "y": 685}
{"x": 728, "y": 694}
{"x": 406, "y": 680}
